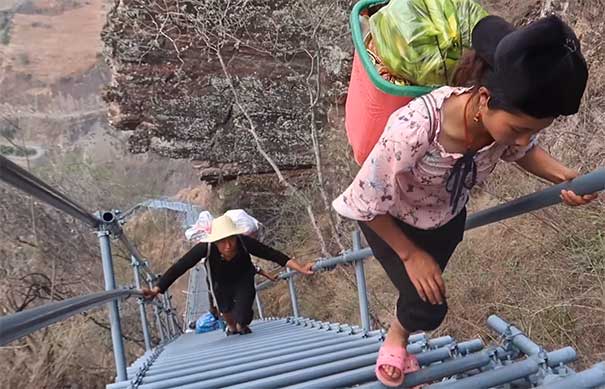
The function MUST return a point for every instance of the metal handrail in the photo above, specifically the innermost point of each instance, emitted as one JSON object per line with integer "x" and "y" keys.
{"x": 191, "y": 211}
{"x": 590, "y": 183}
{"x": 132, "y": 250}
{"x": 23, "y": 323}
{"x": 586, "y": 184}
{"x": 109, "y": 224}
{"x": 583, "y": 185}
{"x": 324, "y": 263}
{"x": 20, "y": 178}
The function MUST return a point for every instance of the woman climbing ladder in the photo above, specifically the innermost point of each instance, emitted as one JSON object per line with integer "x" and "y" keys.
{"x": 410, "y": 194}
{"x": 231, "y": 270}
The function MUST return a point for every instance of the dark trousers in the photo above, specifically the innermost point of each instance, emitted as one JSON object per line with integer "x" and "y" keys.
{"x": 237, "y": 298}
{"x": 413, "y": 313}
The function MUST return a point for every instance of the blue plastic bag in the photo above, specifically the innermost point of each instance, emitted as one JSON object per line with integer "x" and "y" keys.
{"x": 206, "y": 323}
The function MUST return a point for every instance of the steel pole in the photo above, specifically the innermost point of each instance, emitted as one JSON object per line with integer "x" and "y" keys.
{"x": 158, "y": 322}
{"x": 293, "y": 296}
{"x": 156, "y": 314}
{"x": 259, "y": 306}
{"x": 515, "y": 335}
{"x": 364, "y": 310}
{"x": 172, "y": 312}
{"x": 114, "y": 313}
{"x": 142, "y": 311}
{"x": 166, "y": 310}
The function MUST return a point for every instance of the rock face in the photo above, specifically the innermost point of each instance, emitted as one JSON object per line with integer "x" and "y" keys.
{"x": 173, "y": 96}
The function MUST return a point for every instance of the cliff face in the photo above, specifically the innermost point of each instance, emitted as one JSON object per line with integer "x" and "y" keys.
{"x": 173, "y": 96}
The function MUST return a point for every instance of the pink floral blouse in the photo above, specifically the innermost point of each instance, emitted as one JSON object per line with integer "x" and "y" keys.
{"x": 405, "y": 174}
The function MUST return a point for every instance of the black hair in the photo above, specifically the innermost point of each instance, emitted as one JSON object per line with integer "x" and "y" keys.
{"x": 472, "y": 70}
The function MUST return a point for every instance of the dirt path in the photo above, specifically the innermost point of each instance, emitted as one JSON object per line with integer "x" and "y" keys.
{"x": 40, "y": 151}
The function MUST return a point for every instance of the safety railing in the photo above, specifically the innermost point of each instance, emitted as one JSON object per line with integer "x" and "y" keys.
{"x": 108, "y": 225}
{"x": 190, "y": 211}
{"x": 197, "y": 300}
{"x": 582, "y": 185}
{"x": 25, "y": 322}
{"x": 590, "y": 183}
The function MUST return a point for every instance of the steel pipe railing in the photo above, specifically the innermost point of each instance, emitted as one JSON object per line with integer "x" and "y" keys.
{"x": 114, "y": 312}
{"x": 142, "y": 311}
{"x": 21, "y": 179}
{"x": 590, "y": 183}
{"x": 360, "y": 278}
{"x": 293, "y": 296}
{"x": 589, "y": 378}
{"x": 586, "y": 184}
{"x": 107, "y": 225}
{"x": 20, "y": 324}
{"x": 514, "y": 335}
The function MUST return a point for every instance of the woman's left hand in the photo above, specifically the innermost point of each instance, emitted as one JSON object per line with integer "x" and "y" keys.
{"x": 572, "y": 199}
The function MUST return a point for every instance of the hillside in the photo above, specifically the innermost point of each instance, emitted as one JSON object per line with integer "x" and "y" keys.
{"x": 120, "y": 103}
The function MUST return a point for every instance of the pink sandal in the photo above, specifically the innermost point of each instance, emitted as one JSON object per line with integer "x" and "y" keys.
{"x": 397, "y": 357}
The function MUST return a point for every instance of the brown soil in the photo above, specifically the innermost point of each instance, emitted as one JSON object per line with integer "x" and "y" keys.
{"x": 50, "y": 47}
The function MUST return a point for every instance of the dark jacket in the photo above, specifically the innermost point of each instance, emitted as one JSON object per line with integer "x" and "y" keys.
{"x": 223, "y": 272}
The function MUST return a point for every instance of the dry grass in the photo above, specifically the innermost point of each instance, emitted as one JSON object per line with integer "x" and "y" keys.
{"x": 160, "y": 238}
{"x": 543, "y": 271}
{"x": 74, "y": 352}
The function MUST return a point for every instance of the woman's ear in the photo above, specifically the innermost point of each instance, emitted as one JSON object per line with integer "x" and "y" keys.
{"x": 484, "y": 96}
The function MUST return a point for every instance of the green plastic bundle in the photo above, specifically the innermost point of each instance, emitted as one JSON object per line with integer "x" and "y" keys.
{"x": 421, "y": 41}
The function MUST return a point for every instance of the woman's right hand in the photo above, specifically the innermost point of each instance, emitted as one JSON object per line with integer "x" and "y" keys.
{"x": 303, "y": 268}
{"x": 425, "y": 274}
{"x": 149, "y": 294}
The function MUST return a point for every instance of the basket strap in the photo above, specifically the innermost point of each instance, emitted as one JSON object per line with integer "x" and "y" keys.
{"x": 206, "y": 263}
{"x": 431, "y": 107}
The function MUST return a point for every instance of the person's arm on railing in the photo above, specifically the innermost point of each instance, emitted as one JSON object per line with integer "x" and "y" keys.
{"x": 186, "y": 262}
{"x": 538, "y": 162}
{"x": 263, "y": 273}
{"x": 303, "y": 268}
{"x": 263, "y": 251}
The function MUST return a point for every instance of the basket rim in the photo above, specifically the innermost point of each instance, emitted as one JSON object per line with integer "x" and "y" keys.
{"x": 360, "y": 49}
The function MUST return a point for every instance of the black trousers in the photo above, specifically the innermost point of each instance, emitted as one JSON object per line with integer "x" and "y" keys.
{"x": 413, "y": 313}
{"x": 237, "y": 298}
